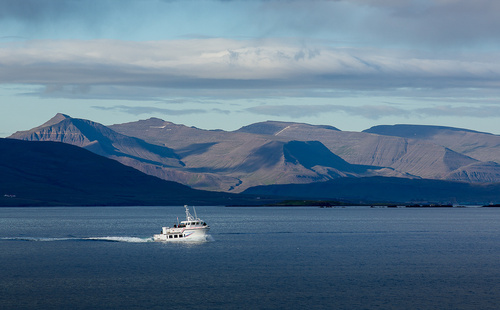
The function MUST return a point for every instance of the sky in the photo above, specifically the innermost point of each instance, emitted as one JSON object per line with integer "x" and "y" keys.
{"x": 224, "y": 64}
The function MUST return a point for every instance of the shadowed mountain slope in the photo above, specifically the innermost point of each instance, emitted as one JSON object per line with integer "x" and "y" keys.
{"x": 313, "y": 153}
{"x": 478, "y": 145}
{"x": 248, "y": 156}
{"x": 403, "y": 156}
{"x": 50, "y": 173}
{"x": 406, "y": 156}
{"x": 389, "y": 190}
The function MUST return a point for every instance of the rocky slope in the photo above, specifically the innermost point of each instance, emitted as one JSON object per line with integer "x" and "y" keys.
{"x": 414, "y": 151}
{"x": 100, "y": 140}
{"x": 478, "y": 145}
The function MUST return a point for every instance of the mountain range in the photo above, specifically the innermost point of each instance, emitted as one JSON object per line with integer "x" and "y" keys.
{"x": 282, "y": 153}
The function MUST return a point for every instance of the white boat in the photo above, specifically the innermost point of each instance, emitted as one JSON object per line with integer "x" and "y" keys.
{"x": 193, "y": 228}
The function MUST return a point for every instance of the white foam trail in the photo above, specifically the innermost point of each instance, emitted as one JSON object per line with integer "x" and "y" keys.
{"x": 41, "y": 239}
{"x": 108, "y": 238}
{"x": 120, "y": 239}
{"x": 204, "y": 238}
{"x": 198, "y": 239}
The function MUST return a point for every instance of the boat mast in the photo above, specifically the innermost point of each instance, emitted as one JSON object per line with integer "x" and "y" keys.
{"x": 189, "y": 217}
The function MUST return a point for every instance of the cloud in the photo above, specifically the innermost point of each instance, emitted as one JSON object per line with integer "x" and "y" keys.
{"x": 90, "y": 92}
{"x": 430, "y": 24}
{"x": 481, "y": 111}
{"x": 235, "y": 64}
{"x": 300, "y": 111}
{"x": 416, "y": 23}
{"x": 442, "y": 22}
{"x": 36, "y": 10}
{"x": 375, "y": 112}
{"x": 209, "y": 70}
{"x": 138, "y": 110}
{"x": 35, "y": 17}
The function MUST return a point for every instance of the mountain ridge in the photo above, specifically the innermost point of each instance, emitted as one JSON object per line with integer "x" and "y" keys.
{"x": 274, "y": 152}
{"x": 482, "y": 146}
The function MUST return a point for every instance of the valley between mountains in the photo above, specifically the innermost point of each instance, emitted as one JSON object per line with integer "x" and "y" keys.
{"x": 274, "y": 153}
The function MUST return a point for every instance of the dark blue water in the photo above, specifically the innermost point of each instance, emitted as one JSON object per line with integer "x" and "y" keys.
{"x": 260, "y": 258}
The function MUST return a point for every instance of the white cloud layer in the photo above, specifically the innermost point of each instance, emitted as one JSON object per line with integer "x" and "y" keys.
{"x": 233, "y": 64}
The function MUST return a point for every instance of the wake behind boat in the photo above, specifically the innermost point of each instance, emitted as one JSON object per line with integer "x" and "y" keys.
{"x": 193, "y": 228}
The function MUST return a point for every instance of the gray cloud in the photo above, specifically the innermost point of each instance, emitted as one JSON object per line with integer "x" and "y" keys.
{"x": 461, "y": 22}
{"x": 375, "y": 112}
{"x": 479, "y": 111}
{"x": 138, "y": 110}
{"x": 417, "y": 23}
{"x": 106, "y": 92}
{"x": 211, "y": 64}
{"x": 420, "y": 23}
{"x": 299, "y": 111}
{"x": 33, "y": 17}
{"x": 35, "y": 10}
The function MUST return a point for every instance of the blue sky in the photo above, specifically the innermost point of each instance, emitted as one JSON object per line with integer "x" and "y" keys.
{"x": 224, "y": 64}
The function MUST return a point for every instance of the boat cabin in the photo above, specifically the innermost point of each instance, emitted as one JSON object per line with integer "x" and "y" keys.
{"x": 189, "y": 224}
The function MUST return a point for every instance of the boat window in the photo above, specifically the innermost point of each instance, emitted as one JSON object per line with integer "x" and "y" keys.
{"x": 170, "y": 236}
{"x": 175, "y": 236}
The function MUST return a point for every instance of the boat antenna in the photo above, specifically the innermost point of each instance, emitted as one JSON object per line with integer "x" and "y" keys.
{"x": 189, "y": 217}
{"x": 195, "y": 216}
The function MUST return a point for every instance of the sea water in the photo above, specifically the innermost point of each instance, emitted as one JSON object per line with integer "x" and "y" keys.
{"x": 256, "y": 258}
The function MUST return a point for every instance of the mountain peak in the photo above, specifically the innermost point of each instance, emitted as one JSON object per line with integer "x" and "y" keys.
{"x": 154, "y": 119}
{"x": 59, "y": 117}
{"x": 414, "y": 131}
{"x": 276, "y": 127}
